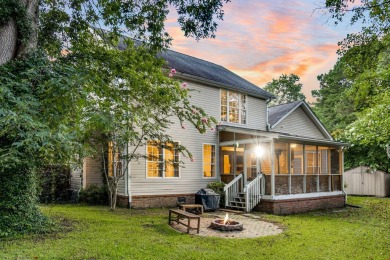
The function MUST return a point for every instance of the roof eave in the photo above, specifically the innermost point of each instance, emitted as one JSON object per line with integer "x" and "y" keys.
{"x": 313, "y": 140}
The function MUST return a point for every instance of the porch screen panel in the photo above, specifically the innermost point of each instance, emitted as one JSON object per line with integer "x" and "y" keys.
{"x": 239, "y": 160}
{"x": 265, "y": 159}
{"x": 227, "y": 157}
{"x": 334, "y": 161}
{"x": 296, "y": 158}
{"x": 323, "y": 160}
{"x": 281, "y": 158}
{"x": 311, "y": 159}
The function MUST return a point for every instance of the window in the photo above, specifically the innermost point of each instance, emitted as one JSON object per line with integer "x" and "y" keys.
{"x": 233, "y": 107}
{"x": 113, "y": 160}
{"x": 209, "y": 160}
{"x": 162, "y": 162}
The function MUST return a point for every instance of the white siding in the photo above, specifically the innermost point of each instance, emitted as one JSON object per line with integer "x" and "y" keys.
{"x": 92, "y": 171}
{"x": 299, "y": 123}
{"x": 190, "y": 177}
{"x": 256, "y": 114}
{"x": 360, "y": 181}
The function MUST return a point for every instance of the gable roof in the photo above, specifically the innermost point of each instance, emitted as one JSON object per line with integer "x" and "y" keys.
{"x": 278, "y": 113}
{"x": 188, "y": 65}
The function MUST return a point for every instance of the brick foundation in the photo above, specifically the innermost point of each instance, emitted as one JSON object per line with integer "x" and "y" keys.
{"x": 293, "y": 206}
{"x": 154, "y": 201}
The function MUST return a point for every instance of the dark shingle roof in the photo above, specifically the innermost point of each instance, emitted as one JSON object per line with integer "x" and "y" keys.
{"x": 200, "y": 68}
{"x": 276, "y": 113}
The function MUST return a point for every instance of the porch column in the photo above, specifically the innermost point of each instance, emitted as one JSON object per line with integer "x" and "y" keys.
{"x": 272, "y": 167}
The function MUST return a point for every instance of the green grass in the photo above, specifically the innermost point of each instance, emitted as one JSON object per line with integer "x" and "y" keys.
{"x": 97, "y": 233}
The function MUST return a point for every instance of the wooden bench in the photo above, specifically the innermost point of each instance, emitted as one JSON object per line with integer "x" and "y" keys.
{"x": 192, "y": 206}
{"x": 184, "y": 214}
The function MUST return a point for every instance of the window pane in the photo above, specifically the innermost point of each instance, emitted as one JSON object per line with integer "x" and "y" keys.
{"x": 224, "y": 113}
{"x": 208, "y": 160}
{"x": 233, "y": 115}
{"x": 155, "y": 165}
{"x": 171, "y": 161}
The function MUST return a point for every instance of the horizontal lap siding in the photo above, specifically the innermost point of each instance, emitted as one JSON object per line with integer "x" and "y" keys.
{"x": 93, "y": 171}
{"x": 191, "y": 176}
{"x": 298, "y": 123}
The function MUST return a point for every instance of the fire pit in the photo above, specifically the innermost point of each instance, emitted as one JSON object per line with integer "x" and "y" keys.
{"x": 226, "y": 224}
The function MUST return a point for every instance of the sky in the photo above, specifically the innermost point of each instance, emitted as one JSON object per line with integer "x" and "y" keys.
{"x": 260, "y": 39}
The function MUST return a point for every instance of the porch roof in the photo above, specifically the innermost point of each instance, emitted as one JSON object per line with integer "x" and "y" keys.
{"x": 267, "y": 136}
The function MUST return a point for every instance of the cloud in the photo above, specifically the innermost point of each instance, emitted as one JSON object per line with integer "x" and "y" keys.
{"x": 260, "y": 40}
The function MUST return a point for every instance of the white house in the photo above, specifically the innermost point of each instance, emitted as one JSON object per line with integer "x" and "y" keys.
{"x": 277, "y": 159}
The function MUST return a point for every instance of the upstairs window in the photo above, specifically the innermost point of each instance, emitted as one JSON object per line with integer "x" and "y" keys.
{"x": 162, "y": 162}
{"x": 233, "y": 107}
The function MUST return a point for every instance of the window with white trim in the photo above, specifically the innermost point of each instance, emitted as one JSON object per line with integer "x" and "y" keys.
{"x": 162, "y": 162}
{"x": 233, "y": 107}
{"x": 208, "y": 160}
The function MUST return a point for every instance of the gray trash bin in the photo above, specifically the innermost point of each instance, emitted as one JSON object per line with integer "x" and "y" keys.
{"x": 208, "y": 198}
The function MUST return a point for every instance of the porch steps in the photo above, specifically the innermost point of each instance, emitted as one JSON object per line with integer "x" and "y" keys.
{"x": 238, "y": 202}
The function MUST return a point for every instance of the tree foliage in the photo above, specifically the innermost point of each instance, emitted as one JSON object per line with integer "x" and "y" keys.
{"x": 50, "y": 107}
{"x": 373, "y": 14}
{"x": 286, "y": 89}
{"x": 353, "y": 102}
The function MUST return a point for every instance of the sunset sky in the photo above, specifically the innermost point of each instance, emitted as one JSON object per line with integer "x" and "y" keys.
{"x": 259, "y": 40}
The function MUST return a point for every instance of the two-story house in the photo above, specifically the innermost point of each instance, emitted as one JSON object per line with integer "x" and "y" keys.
{"x": 277, "y": 159}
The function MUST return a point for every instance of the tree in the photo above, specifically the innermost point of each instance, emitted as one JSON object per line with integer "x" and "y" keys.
{"x": 353, "y": 96}
{"x": 373, "y": 13}
{"x": 286, "y": 89}
{"x": 131, "y": 110}
{"x": 45, "y": 100}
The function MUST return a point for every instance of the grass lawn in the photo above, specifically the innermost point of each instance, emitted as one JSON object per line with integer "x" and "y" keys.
{"x": 97, "y": 233}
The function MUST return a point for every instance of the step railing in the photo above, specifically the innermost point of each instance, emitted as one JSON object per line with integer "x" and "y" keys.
{"x": 253, "y": 192}
{"x": 233, "y": 188}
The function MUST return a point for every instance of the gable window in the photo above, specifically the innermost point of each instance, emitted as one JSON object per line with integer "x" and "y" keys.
{"x": 233, "y": 107}
{"x": 162, "y": 162}
{"x": 208, "y": 160}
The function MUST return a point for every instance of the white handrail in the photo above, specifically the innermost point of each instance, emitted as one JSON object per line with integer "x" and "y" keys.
{"x": 232, "y": 189}
{"x": 254, "y": 190}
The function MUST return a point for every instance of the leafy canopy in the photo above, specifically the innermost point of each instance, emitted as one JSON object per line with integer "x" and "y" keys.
{"x": 286, "y": 89}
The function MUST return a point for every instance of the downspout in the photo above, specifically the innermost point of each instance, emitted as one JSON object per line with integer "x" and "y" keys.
{"x": 128, "y": 179}
{"x": 268, "y": 126}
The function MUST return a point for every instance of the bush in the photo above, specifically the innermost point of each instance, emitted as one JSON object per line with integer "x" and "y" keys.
{"x": 55, "y": 184}
{"x": 94, "y": 195}
{"x": 19, "y": 213}
{"x": 218, "y": 186}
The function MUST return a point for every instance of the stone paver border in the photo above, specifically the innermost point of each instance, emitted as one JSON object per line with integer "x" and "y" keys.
{"x": 253, "y": 226}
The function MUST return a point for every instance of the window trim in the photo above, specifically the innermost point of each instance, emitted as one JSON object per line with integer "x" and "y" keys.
{"x": 239, "y": 107}
{"x": 164, "y": 168}
{"x": 215, "y": 163}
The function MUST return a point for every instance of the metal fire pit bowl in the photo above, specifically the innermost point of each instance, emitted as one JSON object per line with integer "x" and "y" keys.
{"x": 231, "y": 225}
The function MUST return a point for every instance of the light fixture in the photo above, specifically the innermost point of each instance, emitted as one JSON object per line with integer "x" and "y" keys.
{"x": 259, "y": 151}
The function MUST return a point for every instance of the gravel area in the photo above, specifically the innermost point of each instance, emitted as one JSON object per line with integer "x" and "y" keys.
{"x": 253, "y": 226}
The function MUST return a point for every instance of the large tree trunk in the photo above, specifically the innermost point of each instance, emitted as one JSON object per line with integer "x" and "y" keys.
{"x": 10, "y": 47}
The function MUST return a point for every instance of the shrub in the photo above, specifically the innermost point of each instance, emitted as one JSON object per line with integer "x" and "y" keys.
{"x": 218, "y": 186}
{"x": 94, "y": 195}
{"x": 54, "y": 183}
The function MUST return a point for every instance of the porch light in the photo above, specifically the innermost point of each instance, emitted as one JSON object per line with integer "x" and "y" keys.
{"x": 259, "y": 151}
